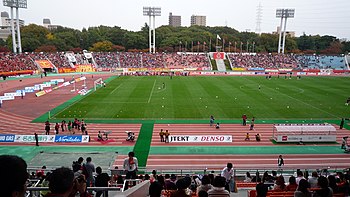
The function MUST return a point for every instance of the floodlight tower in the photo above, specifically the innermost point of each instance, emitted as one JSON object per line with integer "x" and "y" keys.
{"x": 283, "y": 14}
{"x": 16, "y": 4}
{"x": 152, "y": 11}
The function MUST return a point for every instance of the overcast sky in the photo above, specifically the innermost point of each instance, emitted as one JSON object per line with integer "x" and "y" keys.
{"x": 324, "y": 17}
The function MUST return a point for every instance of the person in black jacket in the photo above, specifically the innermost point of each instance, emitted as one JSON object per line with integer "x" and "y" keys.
{"x": 101, "y": 180}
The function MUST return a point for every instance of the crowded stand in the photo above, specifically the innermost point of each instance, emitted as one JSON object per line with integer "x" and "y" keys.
{"x": 10, "y": 62}
{"x": 57, "y": 59}
{"x": 175, "y": 60}
{"x": 107, "y": 59}
{"x": 269, "y": 61}
{"x": 152, "y": 60}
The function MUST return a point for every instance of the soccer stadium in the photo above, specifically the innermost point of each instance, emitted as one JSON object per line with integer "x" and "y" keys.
{"x": 201, "y": 117}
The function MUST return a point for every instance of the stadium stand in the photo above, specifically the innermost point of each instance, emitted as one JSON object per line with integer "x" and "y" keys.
{"x": 10, "y": 62}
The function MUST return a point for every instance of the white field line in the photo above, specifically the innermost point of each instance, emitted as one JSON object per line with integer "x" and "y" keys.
{"x": 304, "y": 102}
{"x": 150, "y": 95}
{"x": 115, "y": 89}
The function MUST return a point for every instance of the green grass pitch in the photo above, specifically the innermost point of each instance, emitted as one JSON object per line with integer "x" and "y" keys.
{"x": 197, "y": 97}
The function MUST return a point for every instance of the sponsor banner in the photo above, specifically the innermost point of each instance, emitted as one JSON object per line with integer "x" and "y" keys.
{"x": 45, "y": 85}
{"x": 84, "y": 68}
{"x": 13, "y": 94}
{"x": 301, "y": 73}
{"x": 72, "y": 138}
{"x": 306, "y": 138}
{"x": 256, "y": 69}
{"x": 7, "y": 138}
{"x": 57, "y": 80}
{"x": 260, "y": 73}
{"x": 200, "y": 138}
{"x": 310, "y": 73}
{"x": 15, "y": 73}
{"x": 37, "y": 87}
{"x": 29, "y": 90}
{"x": 239, "y": 69}
{"x": 272, "y": 70}
{"x": 248, "y": 73}
{"x": 285, "y": 70}
{"x": 41, "y": 93}
{"x": 31, "y": 138}
{"x": 66, "y": 70}
{"x": 6, "y": 98}
{"x": 64, "y": 84}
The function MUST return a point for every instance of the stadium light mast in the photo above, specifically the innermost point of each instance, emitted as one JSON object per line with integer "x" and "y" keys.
{"x": 283, "y": 14}
{"x": 152, "y": 11}
{"x": 16, "y": 4}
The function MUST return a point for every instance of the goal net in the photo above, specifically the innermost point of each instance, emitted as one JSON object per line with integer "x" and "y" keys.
{"x": 98, "y": 83}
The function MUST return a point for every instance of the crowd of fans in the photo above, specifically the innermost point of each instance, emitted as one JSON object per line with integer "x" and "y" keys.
{"x": 71, "y": 181}
{"x": 16, "y": 62}
{"x": 10, "y": 62}
{"x": 270, "y": 61}
{"x": 175, "y": 60}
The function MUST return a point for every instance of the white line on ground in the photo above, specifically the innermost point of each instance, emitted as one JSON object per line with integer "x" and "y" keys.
{"x": 150, "y": 95}
{"x": 115, "y": 89}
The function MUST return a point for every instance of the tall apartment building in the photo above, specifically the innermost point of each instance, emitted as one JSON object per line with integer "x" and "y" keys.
{"x": 5, "y": 28}
{"x": 47, "y": 24}
{"x": 174, "y": 21}
{"x": 6, "y": 21}
{"x": 198, "y": 20}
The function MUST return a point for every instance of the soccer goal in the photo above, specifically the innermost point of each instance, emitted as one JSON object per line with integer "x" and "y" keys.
{"x": 98, "y": 83}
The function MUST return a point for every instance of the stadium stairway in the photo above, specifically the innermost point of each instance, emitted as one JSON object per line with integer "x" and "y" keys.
{"x": 220, "y": 64}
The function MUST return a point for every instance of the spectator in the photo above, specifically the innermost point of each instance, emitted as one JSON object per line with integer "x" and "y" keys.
{"x": 300, "y": 176}
{"x": 13, "y": 170}
{"x": 77, "y": 166}
{"x": 130, "y": 166}
{"x": 227, "y": 173}
{"x": 292, "y": 186}
{"x": 333, "y": 184}
{"x": 247, "y": 178}
{"x": 261, "y": 188}
{"x": 325, "y": 191}
{"x": 182, "y": 185}
{"x": 219, "y": 187}
{"x": 101, "y": 180}
{"x": 205, "y": 186}
{"x": 155, "y": 189}
{"x": 303, "y": 189}
{"x": 63, "y": 183}
{"x": 313, "y": 180}
{"x": 280, "y": 184}
{"x": 170, "y": 182}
